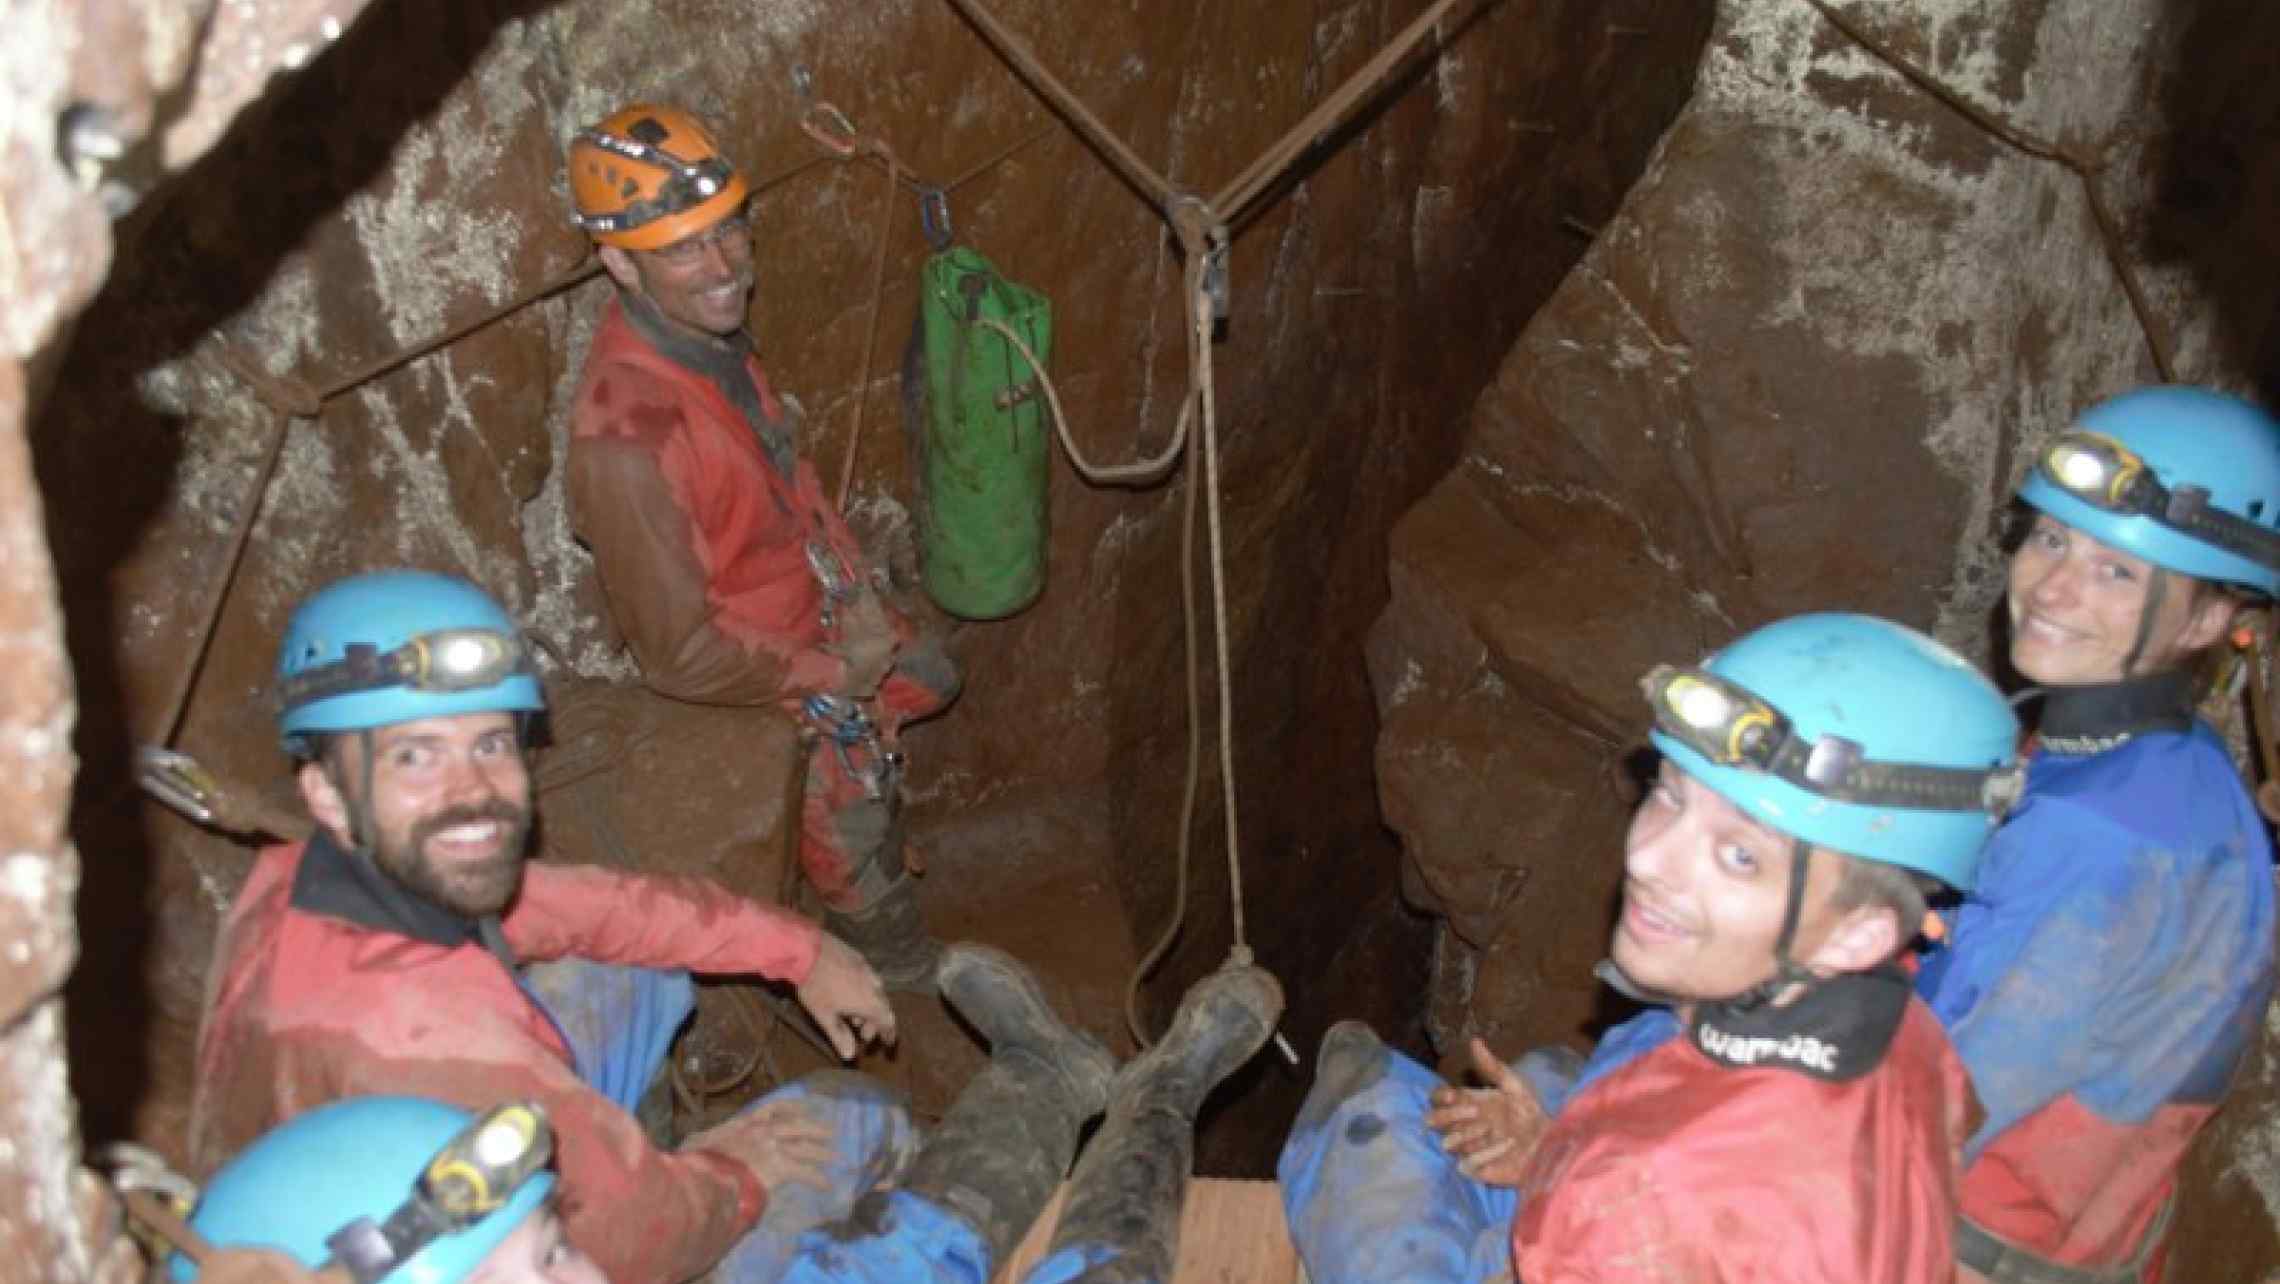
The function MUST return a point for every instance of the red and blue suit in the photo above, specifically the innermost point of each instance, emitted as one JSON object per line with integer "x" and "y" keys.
{"x": 1783, "y": 1145}
{"x": 2102, "y": 985}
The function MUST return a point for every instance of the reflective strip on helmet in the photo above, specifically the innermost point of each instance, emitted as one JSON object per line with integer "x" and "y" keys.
{"x": 690, "y": 183}
{"x": 2105, "y": 474}
{"x": 449, "y": 660}
{"x": 1732, "y": 727}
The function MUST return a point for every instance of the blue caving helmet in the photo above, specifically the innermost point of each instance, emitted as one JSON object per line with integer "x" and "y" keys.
{"x": 309, "y": 1177}
{"x": 396, "y": 646}
{"x": 2188, "y": 439}
{"x": 1851, "y": 733}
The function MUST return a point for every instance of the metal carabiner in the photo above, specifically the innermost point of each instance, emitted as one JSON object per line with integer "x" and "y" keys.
{"x": 844, "y": 143}
{"x": 1215, "y": 282}
{"x": 934, "y": 218}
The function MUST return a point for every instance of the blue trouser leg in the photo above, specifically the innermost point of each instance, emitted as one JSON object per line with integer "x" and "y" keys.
{"x": 1372, "y": 1198}
{"x": 872, "y": 1139}
{"x": 618, "y": 1021}
{"x": 895, "y": 1238}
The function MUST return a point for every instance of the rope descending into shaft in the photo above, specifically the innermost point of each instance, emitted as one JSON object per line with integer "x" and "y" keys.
{"x": 1202, "y": 231}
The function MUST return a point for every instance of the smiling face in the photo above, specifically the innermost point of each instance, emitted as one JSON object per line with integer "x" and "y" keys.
{"x": 1704, "y": 890}
{"x": 449, "y": 808}
{"x": 2076, "y": 604}
{"x": 701, "y": 283}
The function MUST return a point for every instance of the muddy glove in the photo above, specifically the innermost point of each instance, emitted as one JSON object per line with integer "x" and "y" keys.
{"x": 866, "y": 643}
{"x": 780, "y": 1142}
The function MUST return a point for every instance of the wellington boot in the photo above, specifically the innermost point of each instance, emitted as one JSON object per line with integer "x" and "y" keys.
{"x": 994, "y": 1160}
{"x": 891, "y": 936}
{"x": 1002, "y": 1000}
{"x": 1122, "y": 1218}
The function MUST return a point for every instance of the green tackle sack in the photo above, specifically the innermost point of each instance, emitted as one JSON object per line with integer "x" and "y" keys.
{"x": 975, "y": 414}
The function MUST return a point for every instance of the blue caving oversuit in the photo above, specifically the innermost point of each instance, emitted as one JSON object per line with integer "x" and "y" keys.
{"x": 1390, "y": 1204}
{"x": 2102, "y": 985}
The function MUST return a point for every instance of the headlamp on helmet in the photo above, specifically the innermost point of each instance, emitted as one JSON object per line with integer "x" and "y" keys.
{"x": 442, "y": 662}
{"x": 688, "y": 183}
{"x": 1732, "y": 727}
{"x": 473, "y": 1176}
{"x": 2109, "y": 476}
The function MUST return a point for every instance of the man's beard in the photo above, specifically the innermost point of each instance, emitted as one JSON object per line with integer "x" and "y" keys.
{"x": 469, "y": 890}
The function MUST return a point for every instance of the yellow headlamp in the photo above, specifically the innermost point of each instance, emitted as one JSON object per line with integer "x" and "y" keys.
{"x": 483, "y": 1165}
{"x": 442, "y": 662}
{"x": 1718, "y": 719}
{"x": 2095, "y": 469}
{"x": 473, "y": 1176}
{"x": 1731, "y": 726}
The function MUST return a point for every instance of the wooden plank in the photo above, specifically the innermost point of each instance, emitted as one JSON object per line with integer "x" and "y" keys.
{"x": 1231, "y": 1232}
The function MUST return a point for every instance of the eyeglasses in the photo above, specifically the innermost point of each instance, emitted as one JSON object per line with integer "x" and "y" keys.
{"x": 2110, "y": 477}
{"x": 1732, "y": 727}
{"x": 732, "y": 235}
{"x": 446, "y": 661}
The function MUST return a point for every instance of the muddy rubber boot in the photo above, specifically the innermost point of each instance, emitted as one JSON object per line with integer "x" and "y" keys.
{"x": 891, "y": 936}
{"x": 994, "y": 1160}
{"x": 1122, "y": 1219}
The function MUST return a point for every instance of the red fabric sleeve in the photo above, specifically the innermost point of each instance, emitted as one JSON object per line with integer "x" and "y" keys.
{"x": 645, "y": 1215}
{"x": 656, "y": 920}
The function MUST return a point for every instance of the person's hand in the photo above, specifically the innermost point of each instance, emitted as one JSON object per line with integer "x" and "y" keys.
{"x": 780, "y": 1142}
{"x": 1490, "y": 1130}
{"x": 844, "y": 996}
{"x": 866, "y": 643}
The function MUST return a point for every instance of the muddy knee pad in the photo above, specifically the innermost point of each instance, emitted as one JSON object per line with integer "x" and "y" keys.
{"x": 1368, "y": 1191}
{"x": 850, "y": 843}
{"x": 869, "y": 831}
{"x": 872, "y": 1141}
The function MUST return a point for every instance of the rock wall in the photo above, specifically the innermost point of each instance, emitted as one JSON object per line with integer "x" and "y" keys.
{"x": 1800, "y": 368}
{"x": 82, "y": 132}
{"x": 407, "y": 180}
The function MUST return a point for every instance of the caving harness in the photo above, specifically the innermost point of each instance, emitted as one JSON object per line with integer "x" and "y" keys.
{"x": 975, "y": 418}
{"x": 855, "y": 736}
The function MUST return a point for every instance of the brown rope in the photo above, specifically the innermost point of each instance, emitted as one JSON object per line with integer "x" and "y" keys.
{"x": 178, "y": 702}
{"x": 1016, "y": 51}
{"x": 152, "y": 1211}
{"x": 886, "y": 156}
{"x": 2086, "y": 168}
{"x": 997, "y": 158}
{"x": 1155, "y": 955}
{"x": 585, "y": 267}
{"x": 1309, "y": 130}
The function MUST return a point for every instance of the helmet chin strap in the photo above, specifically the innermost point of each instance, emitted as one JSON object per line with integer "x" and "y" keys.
{"x": 1787, "y": 971}
{"x": 2156, "y": 591}
{"x": 356, "y": 802}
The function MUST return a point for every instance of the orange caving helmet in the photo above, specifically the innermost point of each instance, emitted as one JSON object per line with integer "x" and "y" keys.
{"x": 648, "y": 175}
